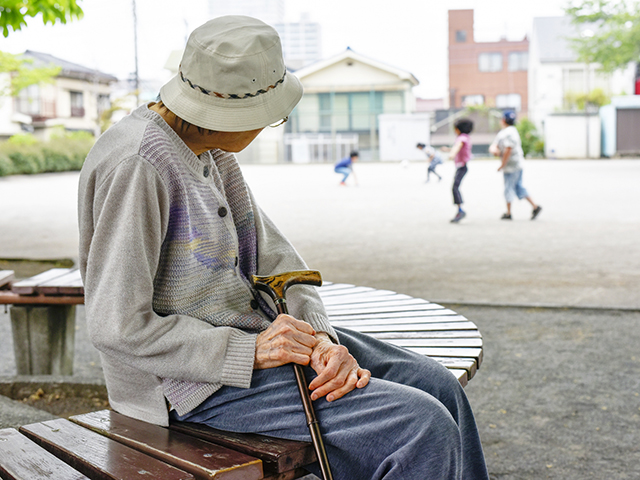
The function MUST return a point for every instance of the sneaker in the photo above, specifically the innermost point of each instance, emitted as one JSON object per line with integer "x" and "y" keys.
{"x": 506, "y": 216}
{"x": 536, "y": 212}
{"x": 459, "y": 216}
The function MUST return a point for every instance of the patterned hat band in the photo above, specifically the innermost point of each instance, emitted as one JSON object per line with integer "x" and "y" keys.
{"x": 231, "y": 95}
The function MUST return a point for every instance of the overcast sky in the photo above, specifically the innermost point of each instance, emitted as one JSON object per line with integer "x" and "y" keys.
{"x": 408, "y": 34}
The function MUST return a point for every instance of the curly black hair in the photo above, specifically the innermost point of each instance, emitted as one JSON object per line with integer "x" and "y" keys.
{"x": 464, "y": 125}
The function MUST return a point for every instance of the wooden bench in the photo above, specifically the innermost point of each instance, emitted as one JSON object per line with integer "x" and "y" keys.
{"x": 106, "y": 444}
{"x": 43, "y": 319}
{"x": 43, "y": 322}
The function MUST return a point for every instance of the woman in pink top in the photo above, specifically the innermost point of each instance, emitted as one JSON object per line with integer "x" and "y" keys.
{"x": 461, "y": 154}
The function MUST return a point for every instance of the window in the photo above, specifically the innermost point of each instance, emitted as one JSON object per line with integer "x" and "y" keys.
{"x": 490, "y": 62}
{"x": 348, "y": 111}
{"x": 471, "y": 100}
{"x": 77, "y": 104}
{"x": 461, "y": 36}
{"x": 518, "y": 61}
{"x": 28, "y": 100}
{"x": 360, "y": 111}
{"x": 103, "y": 103}
{"x": 509, "y": 100}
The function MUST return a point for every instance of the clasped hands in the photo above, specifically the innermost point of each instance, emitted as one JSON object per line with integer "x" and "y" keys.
{"x": 288, "y": 340}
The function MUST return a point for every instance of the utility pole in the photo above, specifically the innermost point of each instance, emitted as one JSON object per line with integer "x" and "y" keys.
{"x": 136, "y": 76}
{"x": 587, "y": 107}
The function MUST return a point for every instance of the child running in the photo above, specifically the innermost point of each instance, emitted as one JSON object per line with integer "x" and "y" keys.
{"x": 460, "y": 153}
{"x": 434, "y": 160}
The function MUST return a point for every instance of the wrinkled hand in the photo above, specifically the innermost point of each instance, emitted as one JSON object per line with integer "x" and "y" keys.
{"x": 287, "y": 340}
{"x": 338, "y": 372}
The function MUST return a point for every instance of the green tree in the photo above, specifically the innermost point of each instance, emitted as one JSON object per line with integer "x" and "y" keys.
{"x": 612, "y": 34}
{"x": 531, "y": 142}
{"x": 580, "y": 101}
{"x": 14, "y": 13}
{"x": 22, "y": 73}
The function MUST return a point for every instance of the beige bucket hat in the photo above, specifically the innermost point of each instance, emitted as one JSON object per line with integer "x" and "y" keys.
{"x": 232, "y": 77}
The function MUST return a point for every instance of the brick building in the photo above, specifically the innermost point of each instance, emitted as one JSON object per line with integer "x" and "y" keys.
{"x": 485, "y": 73}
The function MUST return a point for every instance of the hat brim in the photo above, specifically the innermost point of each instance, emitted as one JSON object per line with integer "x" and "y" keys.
{"x": 231, "y": 114}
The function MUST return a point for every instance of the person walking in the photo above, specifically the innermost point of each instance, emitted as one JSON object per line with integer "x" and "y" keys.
{"x": 460, "y": 153}
{"x": 170, "y": 236}
{"x": 345, "y": 168}
{"x": 433, "y": 157}
{"x": 508, "y": 146}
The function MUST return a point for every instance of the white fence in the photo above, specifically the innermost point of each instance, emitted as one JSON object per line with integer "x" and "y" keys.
{"x": 318, "y": 147}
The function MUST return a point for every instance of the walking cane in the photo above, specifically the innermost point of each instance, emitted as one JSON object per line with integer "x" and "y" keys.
{"x": 275, "y": 286}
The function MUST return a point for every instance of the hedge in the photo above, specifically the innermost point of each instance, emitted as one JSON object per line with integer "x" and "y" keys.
{"x": 23, "y": 155}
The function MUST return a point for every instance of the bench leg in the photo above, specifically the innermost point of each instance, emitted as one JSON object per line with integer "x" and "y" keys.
{"x": 43, "y": 339}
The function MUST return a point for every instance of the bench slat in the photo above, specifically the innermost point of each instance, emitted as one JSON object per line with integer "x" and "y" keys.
{"x": 362, "y": 298}
{"x": 6, "y": 277}
{"x": 436, "y": 342}
{"x": 461, "y": 375}
{"x": 393, "y": 315}
{"x": 12, "y": 298}
{"x": 448, "y": 352}
{"x": 453, "y": 363}
{"x": 329, "y": 286}
{"x": 97, "y": 456}
{"x": 351, "y": 291}
{"x": 381, "y": 303}
{"x": 380, "y": 310}
{"x": 202, "y": 459}
{"x": 277, "y": 455}
{"x": 339, "y": 296}
{"x": 28, "y": 286}
{"x": 391, "y": 324}
{"x": 69, "y": 283}
{"x": 22, "y": 459}
{"x": 408, "y": 327}
{"x": 429, "y": 334}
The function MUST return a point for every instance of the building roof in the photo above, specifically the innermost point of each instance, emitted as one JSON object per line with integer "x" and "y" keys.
{"x": 350, "y": 54}
{"x": 69, "y": 69}
{"x": 552, "y": 35}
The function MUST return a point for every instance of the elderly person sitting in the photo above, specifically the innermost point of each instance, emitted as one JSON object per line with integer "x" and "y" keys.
{"x": 170, "y": 235}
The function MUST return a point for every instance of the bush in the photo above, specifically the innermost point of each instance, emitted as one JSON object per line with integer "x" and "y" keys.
{"x": 23, "y": 154}
{"x": 529, "y": 136}
{"x": 26, "y": 160}
{"x": 6, "y": 166}
{"x": 23, "y": 139}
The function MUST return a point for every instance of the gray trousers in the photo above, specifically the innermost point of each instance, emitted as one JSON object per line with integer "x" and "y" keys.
{"x": 412, "y": 421}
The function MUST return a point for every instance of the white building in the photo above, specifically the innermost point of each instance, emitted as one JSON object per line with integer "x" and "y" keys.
{"x": 344, "y": 97}
{"x": 555, "y": 74}
{"x": 73, "y": 101}
{"x": 301, "y": 42}
{"x": 269, "y": 11}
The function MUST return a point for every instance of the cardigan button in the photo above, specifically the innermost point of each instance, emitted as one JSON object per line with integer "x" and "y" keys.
{"x": 206, "y": 171}
{"x": 254, "y": 304}
{"x": 222, "y": 211}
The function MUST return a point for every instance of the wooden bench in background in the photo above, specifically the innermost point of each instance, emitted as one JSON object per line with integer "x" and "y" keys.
{"x": 43, "y": 319}
{"x": 106, "y": 444}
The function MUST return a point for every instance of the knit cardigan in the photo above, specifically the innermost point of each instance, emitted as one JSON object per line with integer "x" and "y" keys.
{"x": 168, "y": 241}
